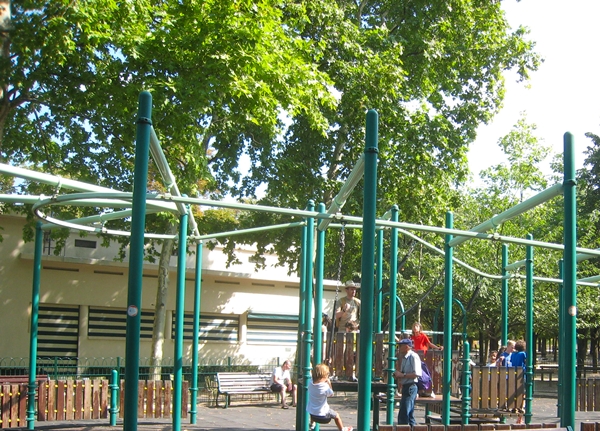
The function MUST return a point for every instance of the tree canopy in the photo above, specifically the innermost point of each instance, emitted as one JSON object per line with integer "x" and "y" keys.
{"x": 281, "y": 84}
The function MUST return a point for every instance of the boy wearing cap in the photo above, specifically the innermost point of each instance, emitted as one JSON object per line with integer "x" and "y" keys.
{"x": 408, "y": 369}
{"x": 349, "y": 308}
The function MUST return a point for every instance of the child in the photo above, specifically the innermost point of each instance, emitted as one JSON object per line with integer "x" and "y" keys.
{"x": 319, "y": 388}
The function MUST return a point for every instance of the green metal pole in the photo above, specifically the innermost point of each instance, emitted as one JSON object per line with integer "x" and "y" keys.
{"x": 504, "y": 298}
{"x": 114, "y": 391}
{"x": 379, "y": 283}
{"x": 318, "y": 347}
{"x": 136, "y": 262}
{"x": 307, "y": 344}
{"x": 466, "y": 382}
{"x": 447, "y": 367}
{"x": 33, "y": 338}
{"x": 179, "y": 317}
{"x": 391, "y": 386}
{"x": 300, "y": 418}
{"x": 530, "y": 348}
{"x": 570, "y": 285}
{"x": 561, "y": 338}
{"x": 197, "y": 298}
{"x": 368, "y": 273}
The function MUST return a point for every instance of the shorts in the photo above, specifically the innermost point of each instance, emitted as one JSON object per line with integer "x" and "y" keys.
{"x": 276, "y": 387}
{"x": 331, "y": 414}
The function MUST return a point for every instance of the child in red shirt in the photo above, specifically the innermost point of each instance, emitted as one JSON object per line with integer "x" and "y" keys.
{"x": 420, "y": 340}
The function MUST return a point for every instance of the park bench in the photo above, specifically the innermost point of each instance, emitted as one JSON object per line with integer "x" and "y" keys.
{"x": 548, "y": 370}
{"x": 230, "y": 383}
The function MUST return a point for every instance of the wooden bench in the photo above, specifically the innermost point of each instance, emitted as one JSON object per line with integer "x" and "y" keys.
{"x": 241, "y": 384}
{"x": 546, "y": 370}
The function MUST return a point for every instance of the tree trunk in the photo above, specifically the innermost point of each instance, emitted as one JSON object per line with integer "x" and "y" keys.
{"x": 160, "y": 308}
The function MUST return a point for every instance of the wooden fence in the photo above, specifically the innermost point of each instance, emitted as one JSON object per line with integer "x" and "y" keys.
{"x": 64, "y": 400}
{"x": 345, "y": 360}
{"x": 588, "y": 395}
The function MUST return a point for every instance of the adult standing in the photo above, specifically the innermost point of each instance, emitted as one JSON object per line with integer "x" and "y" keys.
{"x": 281, "y": 382}
{"x": 349, "y": 308}
{"x": 420, "y": 340}
{"x": 408, "y": 370}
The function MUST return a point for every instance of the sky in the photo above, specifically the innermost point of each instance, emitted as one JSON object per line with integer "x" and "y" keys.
{"x": 564, "y": 94}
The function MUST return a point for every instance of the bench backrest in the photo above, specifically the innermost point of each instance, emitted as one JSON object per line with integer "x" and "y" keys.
{"x": 232, "y": 381}
{"x": 497, "y": 387}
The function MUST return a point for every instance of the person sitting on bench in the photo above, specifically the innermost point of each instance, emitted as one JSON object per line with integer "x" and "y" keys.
{"x": 281, "y": 382}
{"x": 319, "y": 388}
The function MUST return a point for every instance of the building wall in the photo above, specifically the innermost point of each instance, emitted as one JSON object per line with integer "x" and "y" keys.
{"x": 87, "y": 283}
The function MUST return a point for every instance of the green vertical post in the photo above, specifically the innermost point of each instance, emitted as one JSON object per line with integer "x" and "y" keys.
{"x": 379, "y": 282}
{"x": 447, "y": 366}
{"x": 530, "y": 348}
{"x": 33, "y": 337}
{"x": 136, "y": 262}
{"x": 307, "y": 342}
{"x": 570, "y": 285}
{"x": 368, "y": 273}
{"x": 504, "y": 296}
{"x": 196, "y": 330}
{"x": 114, "y": 397}
{"x": 179, "y": 316}
{"x": 391, "y": 386}
{"x": 300, "y": 418}
{"x": 319, "y": 265}
{"x": 561, "y": 338}
{"x": 466, "y": 381}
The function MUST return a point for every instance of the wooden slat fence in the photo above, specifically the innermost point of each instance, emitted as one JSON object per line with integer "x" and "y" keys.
{"x": 588, "y": 395}
{"x": 345, "y": 360}
{"x": 64, "y": 400}
{"x": 14, "y": 405}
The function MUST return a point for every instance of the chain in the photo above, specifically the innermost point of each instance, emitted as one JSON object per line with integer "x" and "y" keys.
{"x": 340, "y": 261}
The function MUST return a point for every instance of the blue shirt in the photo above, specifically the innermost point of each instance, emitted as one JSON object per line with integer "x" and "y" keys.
{"x": 517, "y": 359}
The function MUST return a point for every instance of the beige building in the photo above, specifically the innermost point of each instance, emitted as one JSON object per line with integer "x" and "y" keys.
{"x": 247, "y": 316}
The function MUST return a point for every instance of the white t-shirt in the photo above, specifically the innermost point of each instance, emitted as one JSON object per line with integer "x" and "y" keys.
{"x": 317, "y": 398}
{"x": 282, "y": 376}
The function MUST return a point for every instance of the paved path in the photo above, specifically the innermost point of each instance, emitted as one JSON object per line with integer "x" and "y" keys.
{"x": 270, "y": 417}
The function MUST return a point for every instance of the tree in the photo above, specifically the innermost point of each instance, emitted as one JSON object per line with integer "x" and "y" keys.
{"x": 588, "y": 216}
{"x": 402, "y": 59}
{"x": 287, "y": 84}
{"x": 505, "y": 185}
{"x": 220, "y": 72}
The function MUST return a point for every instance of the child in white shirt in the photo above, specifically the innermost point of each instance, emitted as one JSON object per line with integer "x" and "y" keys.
{"x": 319, "y": 388}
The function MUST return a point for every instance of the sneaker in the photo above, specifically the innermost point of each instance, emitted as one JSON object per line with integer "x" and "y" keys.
{"x": 285, "y": 406}
{"x": 312, "y": 426}
{"x": 347, "y": 429}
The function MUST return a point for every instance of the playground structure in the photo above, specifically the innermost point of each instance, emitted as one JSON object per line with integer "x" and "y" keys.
{"x": 138, "y": 204}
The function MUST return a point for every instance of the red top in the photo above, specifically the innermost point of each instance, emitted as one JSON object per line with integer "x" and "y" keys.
{"x": 420, "y": 342}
